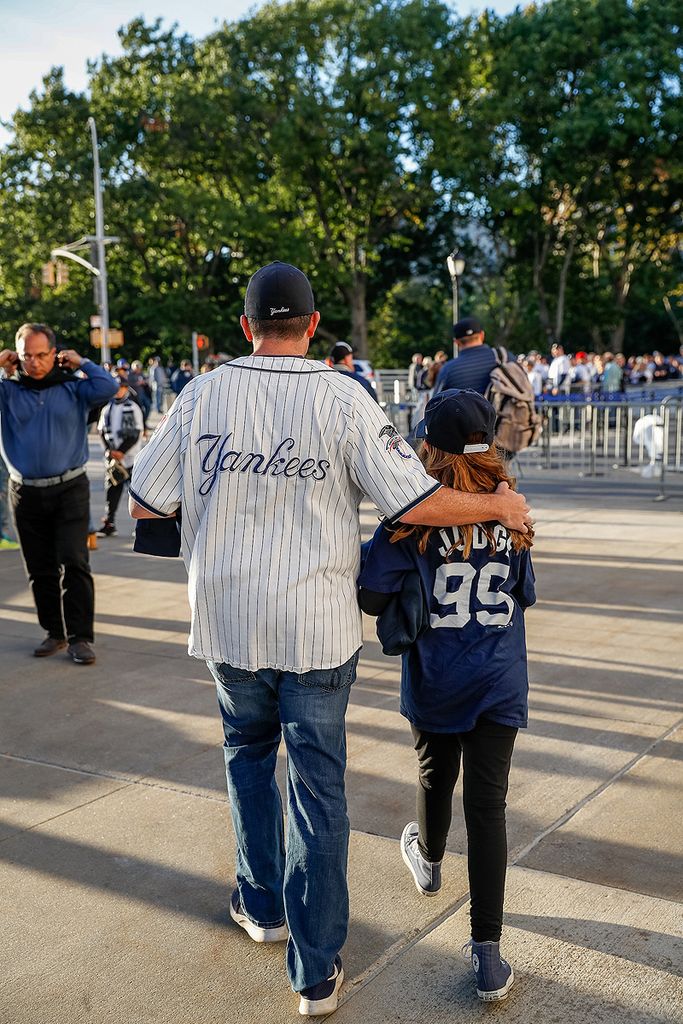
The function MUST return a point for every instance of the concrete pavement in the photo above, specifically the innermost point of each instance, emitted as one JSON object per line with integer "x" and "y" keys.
{"x": 116, "y": 849}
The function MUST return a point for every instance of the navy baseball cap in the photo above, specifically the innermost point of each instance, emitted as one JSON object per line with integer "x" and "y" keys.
{"x": 278, "y": 291}
{"x": 452, "y": 416}
{"x": 466, "y": 327}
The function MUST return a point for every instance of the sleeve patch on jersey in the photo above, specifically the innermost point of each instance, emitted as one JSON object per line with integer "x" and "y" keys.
{"x": 394, "y": 442}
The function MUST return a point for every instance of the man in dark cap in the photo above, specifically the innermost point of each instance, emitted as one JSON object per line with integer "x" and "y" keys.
{"x": 472, "y": 368}
{"x": 268, "y": 457}
{"x": 342, "y": 360}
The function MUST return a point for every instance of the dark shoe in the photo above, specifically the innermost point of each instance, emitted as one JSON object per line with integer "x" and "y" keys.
{"x": 322, "y": 998}
{"x": 426, "y": 874}
{"x": 257, "y": 932}
{"x": 106, "y": 530}
{"x": 494, "y": 975}
{"x": 81, "y": 653}
{"x": 50, "y": 645}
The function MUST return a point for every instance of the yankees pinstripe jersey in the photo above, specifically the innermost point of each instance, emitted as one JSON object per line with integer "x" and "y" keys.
{"x": 269, "y": 457}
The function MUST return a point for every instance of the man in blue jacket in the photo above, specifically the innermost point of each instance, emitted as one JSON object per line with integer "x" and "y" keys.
{"x": 43, "y": 433}
{"x": 471, "y": 371}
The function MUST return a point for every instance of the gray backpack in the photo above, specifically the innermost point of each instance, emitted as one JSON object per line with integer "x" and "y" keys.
{"x": 512, "y": 396}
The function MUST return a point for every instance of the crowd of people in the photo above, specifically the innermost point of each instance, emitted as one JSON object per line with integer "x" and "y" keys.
{"x": 568, "y": 373}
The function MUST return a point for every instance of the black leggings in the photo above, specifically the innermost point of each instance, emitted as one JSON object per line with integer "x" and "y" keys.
{"x": 486, "y": 754}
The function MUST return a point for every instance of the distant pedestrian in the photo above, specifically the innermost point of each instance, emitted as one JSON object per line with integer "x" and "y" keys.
{"x": 158, "y": 379}
{"x": 464, "y": 679}
{"x": 43, "y": 414}
{"x": 560, "y": 370}
{"x": 612, "y": 375}
{"x": 140, "y": 385}
{"x": 414, "y": 370}
{"x": 472, "y": 368}
{"x": 6, "y": 542}
{"x": 120, "y": 426}
{"x": 429, "y": 378}
{"x": 341, "y": 358}
{"x": 182, "y": 376}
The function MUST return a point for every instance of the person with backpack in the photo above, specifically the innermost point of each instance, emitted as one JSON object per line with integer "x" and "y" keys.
{"x": 464, "y": 676}
{"x": 503, "y": 381}
{"x": 121, "y": 426}
{"x": 472, "y": 367}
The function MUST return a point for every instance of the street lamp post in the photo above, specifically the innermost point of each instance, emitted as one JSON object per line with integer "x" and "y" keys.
{"x": 456, "y": 268}
{"x": 103, "y": 296}
{"x": 100, "y": 240}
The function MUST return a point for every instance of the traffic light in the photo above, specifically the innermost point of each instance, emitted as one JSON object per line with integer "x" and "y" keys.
{"x": 202, "y": 341}
{"x": 48, "y": 274}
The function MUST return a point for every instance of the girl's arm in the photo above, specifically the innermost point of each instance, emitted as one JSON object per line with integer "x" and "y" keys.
{"x": 373, "y": 602}
{"x": 524, "y": 590}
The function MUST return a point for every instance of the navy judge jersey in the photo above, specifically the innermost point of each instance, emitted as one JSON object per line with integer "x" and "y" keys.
{"x": 471, "y": 661}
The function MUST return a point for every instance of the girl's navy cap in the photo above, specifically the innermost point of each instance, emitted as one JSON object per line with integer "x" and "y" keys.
{"x": 278, "y": 291}
{"x": 452, "y": 416}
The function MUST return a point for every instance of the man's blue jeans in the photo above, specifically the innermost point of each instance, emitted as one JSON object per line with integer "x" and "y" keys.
{"x": 306, "y": 886}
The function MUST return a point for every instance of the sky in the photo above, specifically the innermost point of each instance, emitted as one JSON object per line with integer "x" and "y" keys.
{"x": 39, "y": 34}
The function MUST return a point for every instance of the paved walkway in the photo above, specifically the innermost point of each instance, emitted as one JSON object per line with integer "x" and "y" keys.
{"x": 116, "y": 849}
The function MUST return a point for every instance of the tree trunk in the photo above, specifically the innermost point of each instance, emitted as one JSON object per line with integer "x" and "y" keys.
{"x": 617, "y": 336}
{"x": 540, "y": 259}
{"x": 622, "y": 287}
{"x": 359, "y": 322}
{"x": 562, "y": 289}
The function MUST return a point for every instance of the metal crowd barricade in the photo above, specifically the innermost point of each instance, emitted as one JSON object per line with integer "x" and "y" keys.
{"x": 396, "y": 399}
{"x": 594, "y": 436}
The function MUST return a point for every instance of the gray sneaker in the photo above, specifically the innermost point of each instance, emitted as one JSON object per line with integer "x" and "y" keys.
{"x": 494, "y": 975}
{"x": 426, "y": 874}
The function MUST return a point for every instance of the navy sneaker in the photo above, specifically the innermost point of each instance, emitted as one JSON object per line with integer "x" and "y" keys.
{"x": 273, "y": 933}
{"x": 426, "y": 874}
{"x": 494, "y": 975}
{"x": 323, "y": 998}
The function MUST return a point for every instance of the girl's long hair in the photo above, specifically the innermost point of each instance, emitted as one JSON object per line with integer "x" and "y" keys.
{"x": 476, "y": 473}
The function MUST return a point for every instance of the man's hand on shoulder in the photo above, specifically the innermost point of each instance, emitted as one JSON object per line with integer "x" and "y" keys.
{"x": 68, "y": 359}
{"x": 514, "y": 511}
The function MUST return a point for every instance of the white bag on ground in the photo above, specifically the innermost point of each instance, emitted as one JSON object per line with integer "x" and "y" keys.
{"x": 649, "y": 431}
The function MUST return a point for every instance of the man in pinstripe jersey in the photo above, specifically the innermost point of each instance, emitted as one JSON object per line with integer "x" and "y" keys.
{"x": 269, "y": 458}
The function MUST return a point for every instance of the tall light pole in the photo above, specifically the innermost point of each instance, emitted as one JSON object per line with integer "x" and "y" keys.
{"x": 99, "y": 239}
{"x": 103, "y": 296}
{"x": 456, "y": 268}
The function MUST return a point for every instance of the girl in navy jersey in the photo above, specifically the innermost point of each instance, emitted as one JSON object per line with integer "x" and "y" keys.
{"x": 464, "y": 677}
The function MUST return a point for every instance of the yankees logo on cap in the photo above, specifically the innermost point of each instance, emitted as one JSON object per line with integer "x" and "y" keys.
{"x": 278, "y": 291}
{"x": 452, "y": 416}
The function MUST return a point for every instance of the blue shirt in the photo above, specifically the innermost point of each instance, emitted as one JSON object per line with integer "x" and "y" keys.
{"x": 44, "y": 433}
{"x": 361, "y": 380}
{"x": 471, "y": 661}
{"x": 470, "y": 371}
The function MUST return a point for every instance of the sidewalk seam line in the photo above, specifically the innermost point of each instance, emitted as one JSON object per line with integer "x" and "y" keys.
{"x": 398, "y": 949}
{"x": 69, "y": 810}
{"x": 569, "y": 814}
{"x": 137, "y": 781}
{"x": 599, "y": 885}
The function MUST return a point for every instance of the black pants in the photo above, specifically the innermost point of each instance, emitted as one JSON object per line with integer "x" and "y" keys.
{"x": 52, "y": 526}
{"x": 486, "y": 754}
{"x": 112, "y": 497}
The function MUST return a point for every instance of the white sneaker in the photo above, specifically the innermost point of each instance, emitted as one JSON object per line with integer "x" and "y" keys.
{"x": 275, "y": 933}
